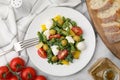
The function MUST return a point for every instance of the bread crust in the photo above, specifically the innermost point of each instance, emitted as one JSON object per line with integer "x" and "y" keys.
{"x": 104, "y": 7}
{"x": 114, "y": 17}
{"x": 113, "y": 37}
{"x": 111, "y": 27}
{"x": 111, "y": 14}
{"x": 107, "y": 6}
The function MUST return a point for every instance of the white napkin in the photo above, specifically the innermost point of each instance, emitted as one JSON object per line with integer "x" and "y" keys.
{"x": 13, "y": 31}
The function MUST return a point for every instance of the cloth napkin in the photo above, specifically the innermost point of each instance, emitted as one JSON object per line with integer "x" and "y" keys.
{"x": 14, "y": 27}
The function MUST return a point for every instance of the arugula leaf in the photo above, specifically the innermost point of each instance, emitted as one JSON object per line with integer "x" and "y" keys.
{"x": 68, "y": 19}
{"x": 49, "y": 55}
{"x": 53, "y": 41}
{"x": 55, "y": 23}
{"x": 63, "y": 18}
{"x": 65, "y": 24}
{"x": 40, "y": 37}
{"x": 64, "y": 33}
{"x": 44, "y": 38}
{"x": 58, "y": 30}
{"x": 72, "y": 47}
{"x": 81, "y": 38}
{"x": 73, "y": 23}
{"x": 69, "y": 57}
{"x": 59, "y": 62}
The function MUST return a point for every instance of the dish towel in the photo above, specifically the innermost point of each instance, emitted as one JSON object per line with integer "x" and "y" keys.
{"x": 14, "y": 27}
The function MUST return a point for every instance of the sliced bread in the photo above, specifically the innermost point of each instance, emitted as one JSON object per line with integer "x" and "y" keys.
{"x": 115, "y": 17}
{"x": 111, "y": 26}
{"x": 100, "y": 4}
{"x": 113, "y": 37}
{"x": 111, "y": 13}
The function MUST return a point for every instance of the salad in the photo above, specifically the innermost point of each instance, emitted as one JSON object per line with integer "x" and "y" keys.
{"x": 62, "y": 42}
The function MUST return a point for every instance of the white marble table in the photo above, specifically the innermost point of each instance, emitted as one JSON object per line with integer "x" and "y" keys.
{"x": 100, "y": 52}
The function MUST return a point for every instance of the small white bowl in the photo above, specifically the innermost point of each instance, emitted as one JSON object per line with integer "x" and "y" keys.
{"x": 115, "y": 74}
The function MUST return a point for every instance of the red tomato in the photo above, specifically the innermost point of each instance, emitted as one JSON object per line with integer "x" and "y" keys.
{"x": 4, "y": 72}
{"x": 40, "y": 77}
{"x": 17, "y": 64}
{"x": 62, "y": 54}
{"x": 13, "y": 78}
{"x": 54, "y": 36}
{"x": 42, "y": 53}
{"x": 28, "y": 73}
{"x": 77, "y": 30}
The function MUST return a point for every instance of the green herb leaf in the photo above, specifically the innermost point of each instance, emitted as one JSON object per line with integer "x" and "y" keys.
{"x": 40, "y": 37}
{"x": 70, "y": 57}
{"x": 73, "y": 23}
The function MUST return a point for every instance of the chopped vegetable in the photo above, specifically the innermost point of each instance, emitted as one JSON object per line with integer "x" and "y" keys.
{"x": 42, "y": 37}
{"x": 77, "y": 30}
{"x": 65, "y": 62}
{"x": 42, "y": 53}
{"x": 73, "y": 23}
{"x": 58, "y": 18}
{"x": 76, "y": 54}
{"x": 54, "y": 58}
{"x": 72, "y": 33}
{"x": 76, "y": 38}
{"x": 39, "y": 45}
{"x": 69, "y": 57}
{"x": 55, "y": 36}
{"x": 62, "y": 54}
{"x": 43, "y": 26}
{"x": 62, "y": 42}
{"x": 45, "y": 47}
{"x": 52, "y": 32}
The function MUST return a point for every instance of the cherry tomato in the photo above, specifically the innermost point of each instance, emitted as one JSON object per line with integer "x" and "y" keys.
{"x": 42, "y": 53}
{"x": 4, "y": 72}
{"x": 55, "y": 36}
{"x": 77, "y": 30}
{"x": 13, "y": 78}
{"x": 40, "y": 77}
{"x": 28, "y": 73}
{"x": 62, "y": 54}
{"x": 17, "y": 64}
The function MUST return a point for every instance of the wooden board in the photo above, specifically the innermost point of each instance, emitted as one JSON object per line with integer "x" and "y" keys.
{"x": 113, "y": 47}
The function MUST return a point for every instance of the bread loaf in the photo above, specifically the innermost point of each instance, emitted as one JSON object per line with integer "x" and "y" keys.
{"x": 113, "y": 37}
{"x": 111, "y": 26}
{"x": 110, "y": 14}
{"x": 100, "y": 4}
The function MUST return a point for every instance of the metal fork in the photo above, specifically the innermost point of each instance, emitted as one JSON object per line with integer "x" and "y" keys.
{"x": 22, "y": 45}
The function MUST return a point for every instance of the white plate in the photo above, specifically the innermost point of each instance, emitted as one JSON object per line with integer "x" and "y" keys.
{"x": 85, "y": 57}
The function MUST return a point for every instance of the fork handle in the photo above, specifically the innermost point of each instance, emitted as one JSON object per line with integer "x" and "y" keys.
{"x": 5, "y": 52}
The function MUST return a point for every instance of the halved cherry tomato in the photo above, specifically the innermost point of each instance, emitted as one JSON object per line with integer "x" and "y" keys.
{"x": 13, "y": 78}
{"x": 42, "y": 53}
{"x": 62, "y": 54}
{"x": 40, "y": 77}
{"x": 28, "y": 73}
{"x": 17, "y": 64}
{"x": 4, "y": 73}
{"x": 77, "y": 30}
{"x": 55, "y": 36}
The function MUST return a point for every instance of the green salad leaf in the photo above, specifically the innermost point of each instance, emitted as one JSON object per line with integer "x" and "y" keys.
{"x": 59, "y": 30}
